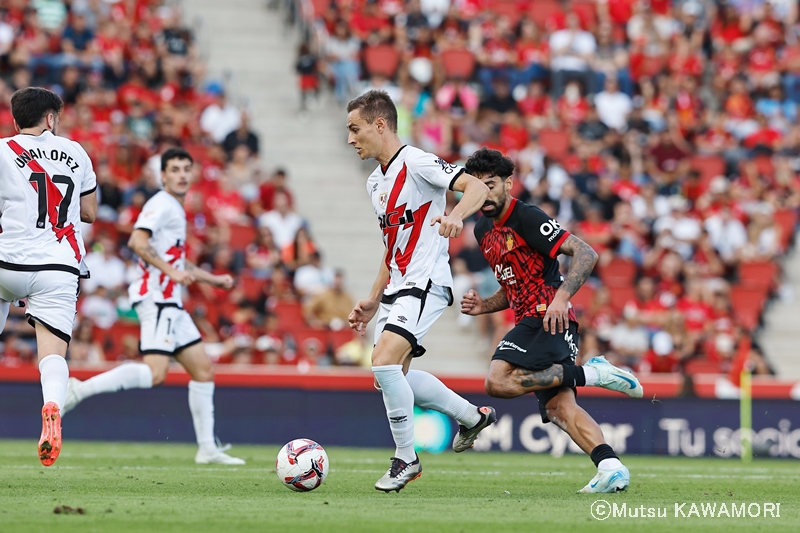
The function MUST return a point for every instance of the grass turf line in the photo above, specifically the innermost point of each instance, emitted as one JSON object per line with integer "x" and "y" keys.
{"x": 127, "y": 487}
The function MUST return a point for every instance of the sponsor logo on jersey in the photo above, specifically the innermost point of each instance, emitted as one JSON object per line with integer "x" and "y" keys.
{"x": 509, "y": 242}
{"x": 504, "y": 274}
{"x": 402, "y": 319}
{"x": 446, "y": 167}
{"x": 550, "y": 229}
{"x": 396, "y": 218}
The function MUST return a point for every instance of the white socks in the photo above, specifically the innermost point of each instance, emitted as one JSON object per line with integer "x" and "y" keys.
{"x": 591, "y": 375}
{"x": 609, "y": 464}
{"x": 126, "y": 376}
{"x": 54, "y": 376}
{"x": 201, "y": 404}
{"x": 430, "y": 393}
{"x": 399, "y": 401}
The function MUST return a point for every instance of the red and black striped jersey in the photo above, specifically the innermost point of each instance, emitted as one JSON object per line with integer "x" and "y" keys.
{"x": 521, "y": 249}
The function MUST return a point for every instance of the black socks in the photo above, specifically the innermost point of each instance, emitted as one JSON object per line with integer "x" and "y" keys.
{"x": 602, "y": 451}
{"x": 573, "y": 376}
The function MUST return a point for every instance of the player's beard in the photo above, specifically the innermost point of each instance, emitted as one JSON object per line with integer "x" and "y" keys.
{"x": 492, "y": 209}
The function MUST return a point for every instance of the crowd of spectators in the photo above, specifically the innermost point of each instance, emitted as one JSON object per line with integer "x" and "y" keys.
{"x": 133, "y": 84}
{"x": 663, "y": 133}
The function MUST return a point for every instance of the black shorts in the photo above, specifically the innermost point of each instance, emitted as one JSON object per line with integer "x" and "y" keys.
{"x": 529, "y": 346}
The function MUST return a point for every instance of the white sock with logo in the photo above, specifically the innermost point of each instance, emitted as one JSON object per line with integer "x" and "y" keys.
{"x": 399, "y": 401}
{"x": 431, "y": 393}
{"x": 54, "y": 376}
{"x": 591, "y": 375}
{"x": 124, "y": 377}
{"x": 201, "y": 404}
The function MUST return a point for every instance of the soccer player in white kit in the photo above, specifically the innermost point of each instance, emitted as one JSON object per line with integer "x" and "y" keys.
{"x": 414, "y": 283}
{"x": 47, "y": 187}
{"x": 167, "y": 330}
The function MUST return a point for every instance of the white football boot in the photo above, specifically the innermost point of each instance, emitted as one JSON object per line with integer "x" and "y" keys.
{"x": 613, "y": 378}
{"x": 612, "y": 480}
{"x": 399, "y": 475}
{"x": 217, "y": 457}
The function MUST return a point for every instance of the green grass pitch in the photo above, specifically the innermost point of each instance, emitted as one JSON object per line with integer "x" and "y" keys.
{"x": 125, "y": 487}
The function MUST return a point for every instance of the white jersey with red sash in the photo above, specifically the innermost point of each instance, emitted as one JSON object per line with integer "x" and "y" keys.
{"x": 42, "y": 180}
{"x": 164, "y": 217}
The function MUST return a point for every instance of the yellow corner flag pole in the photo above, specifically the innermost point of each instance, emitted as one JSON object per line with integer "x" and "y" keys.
{"x": 746, "y": 416}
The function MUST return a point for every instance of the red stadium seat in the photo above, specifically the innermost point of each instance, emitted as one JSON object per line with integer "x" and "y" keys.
{"x": 382, "y": 59}
{"x": 786, "y": 220}
{"x": 587, "y": 12}
{"x": 709, "y": 166}
{"x": 583, "y": 298}
{"x": 111, "y": 339}
{"x": 747, "y": 304}
{"x": 546, "y": 14}
{"x": 555, "y": 143}
{"x": 509, "y": 10}
{"x": 337, "y": 338}
{"x": 458, "y": 63}
{"x": 702, "y": 366}
{"x": 304, "y": 337}
{"x": 620, "y": 296}
{"x": 253, "y": 287}
{"x": 242, "y": 235}
{"x": 619, "y": 273}
{"x": 758, "y": 275}
{"x": 290, "y": 315}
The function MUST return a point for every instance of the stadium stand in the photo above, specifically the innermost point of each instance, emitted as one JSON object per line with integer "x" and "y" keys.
{"x": 664, "y": 133}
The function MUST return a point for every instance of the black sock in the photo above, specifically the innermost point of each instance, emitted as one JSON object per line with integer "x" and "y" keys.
{"x": 602, "y": 451}
{"x": 573, "y": 376}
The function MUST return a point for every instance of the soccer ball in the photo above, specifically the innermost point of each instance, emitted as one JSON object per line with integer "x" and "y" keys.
{"x": 302, "y": 465}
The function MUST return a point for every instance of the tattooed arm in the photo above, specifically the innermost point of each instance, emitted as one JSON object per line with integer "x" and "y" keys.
{"x": 473, "y": 304}
{"x": 140, "y": 244}
{"x": 583, "y": 261}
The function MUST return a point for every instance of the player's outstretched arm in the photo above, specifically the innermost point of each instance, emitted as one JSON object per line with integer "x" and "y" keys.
{"x": 473, "y": 304}
{"x": 89, "y": 207}
{"x": 583, "y": 261}
{"x": 365, "y": 309}
{"x": 224, "y": 281}
{"x": 140, "y": 244}
{"x": 475, "y": 193}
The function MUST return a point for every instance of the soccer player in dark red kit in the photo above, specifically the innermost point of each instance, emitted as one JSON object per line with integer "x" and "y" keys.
{"x": 521, "y": 244}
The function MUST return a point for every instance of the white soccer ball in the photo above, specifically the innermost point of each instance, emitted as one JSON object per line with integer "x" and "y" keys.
{"x": 302, "y": 465}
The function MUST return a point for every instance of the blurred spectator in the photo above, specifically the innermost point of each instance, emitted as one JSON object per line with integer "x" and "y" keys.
{"x": 267, "y": 190}
{"x": 107, "y": 269}
{"x": 221, "y": 117}
{"x": 571, "y": 51}
{"x": 661, "y": 358}
{"x": 313, "y": 278}
{"x": 307, "y": 68}
{"x": 331, "y": 307}
{"x": 242, "y": 135}
{"x": 613, "y": 106}
{"x": 83, "y": 349}
{"x": 281, "y": 220}
{"x": 341, "y": 51}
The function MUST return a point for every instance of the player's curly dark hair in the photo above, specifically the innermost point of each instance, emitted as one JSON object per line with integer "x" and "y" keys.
{"x": 486, "y": 162}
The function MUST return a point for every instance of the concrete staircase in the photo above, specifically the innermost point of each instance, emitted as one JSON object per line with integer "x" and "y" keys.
{"x": 255, "y": 49}
{"x": 781, "y": 336}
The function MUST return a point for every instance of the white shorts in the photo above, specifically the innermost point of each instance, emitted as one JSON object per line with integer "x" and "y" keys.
{"x": 411, "y": 312}
{"x": 166, "y": 329}
{"x": 52, "y": 297}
